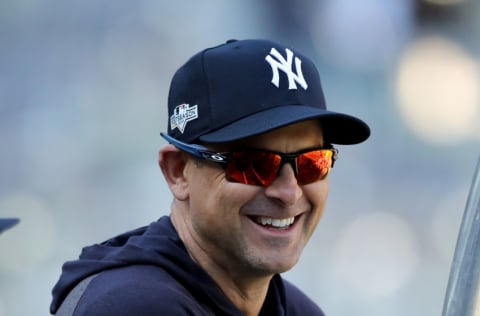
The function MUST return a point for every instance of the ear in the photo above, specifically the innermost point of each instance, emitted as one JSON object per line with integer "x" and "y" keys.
{"x": 172, "y": 162}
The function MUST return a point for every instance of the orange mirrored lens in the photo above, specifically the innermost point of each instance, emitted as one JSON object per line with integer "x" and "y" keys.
{"x": 261, "y": 168}
{"x": 252, "y": 167}
{"x": 313, "y": 166}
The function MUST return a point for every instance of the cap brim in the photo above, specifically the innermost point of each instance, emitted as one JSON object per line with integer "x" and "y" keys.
{"x": 338, "y": 128}
{"x": 6, "y": 223}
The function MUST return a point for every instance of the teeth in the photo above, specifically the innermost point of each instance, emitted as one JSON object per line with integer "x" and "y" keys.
{"x": 279, "y": 223}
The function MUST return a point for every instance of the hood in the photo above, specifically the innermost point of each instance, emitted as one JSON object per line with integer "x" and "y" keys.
{"x": 157, "y": 244}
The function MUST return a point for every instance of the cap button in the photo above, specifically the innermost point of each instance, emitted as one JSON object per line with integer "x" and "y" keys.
{"x": 231, "y": 41}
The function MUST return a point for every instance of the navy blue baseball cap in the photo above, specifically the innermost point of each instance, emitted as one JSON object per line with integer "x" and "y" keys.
{"x": 248, "y": 87}
{"x": 6, "y": 223}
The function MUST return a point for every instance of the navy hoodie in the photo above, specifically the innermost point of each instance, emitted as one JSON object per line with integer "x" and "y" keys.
{"x": 148, "y": 271}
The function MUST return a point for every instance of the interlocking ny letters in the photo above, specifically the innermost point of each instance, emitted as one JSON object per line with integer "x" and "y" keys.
{"x": 285, "y": 65}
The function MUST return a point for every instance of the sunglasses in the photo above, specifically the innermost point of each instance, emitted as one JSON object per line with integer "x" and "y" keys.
{"x": 261, "y": 167}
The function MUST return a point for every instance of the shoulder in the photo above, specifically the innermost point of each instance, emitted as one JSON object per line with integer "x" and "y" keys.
{"x": 298, "y": 303}
{"x": 136, "y": 290}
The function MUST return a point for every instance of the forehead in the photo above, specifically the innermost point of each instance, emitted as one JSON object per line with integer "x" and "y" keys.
{"x": 289, "y": 138}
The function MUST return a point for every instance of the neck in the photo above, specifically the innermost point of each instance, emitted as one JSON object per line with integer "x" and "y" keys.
{"x": 246, "y": 291}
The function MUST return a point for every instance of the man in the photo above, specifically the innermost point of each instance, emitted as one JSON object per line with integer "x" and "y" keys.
{"x": 247, "y": 163}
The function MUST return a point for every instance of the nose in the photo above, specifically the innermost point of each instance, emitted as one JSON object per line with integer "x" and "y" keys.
{"x": 285, "y": 187}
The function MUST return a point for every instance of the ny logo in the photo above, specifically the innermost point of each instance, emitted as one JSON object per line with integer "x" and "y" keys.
{"x": 285, "y": 65}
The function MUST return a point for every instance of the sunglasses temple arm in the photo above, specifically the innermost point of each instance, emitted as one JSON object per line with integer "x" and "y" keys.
{"x": 193, "y": 149}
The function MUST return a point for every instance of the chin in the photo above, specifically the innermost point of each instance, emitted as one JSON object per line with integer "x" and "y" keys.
{"x": 278, "y": 266}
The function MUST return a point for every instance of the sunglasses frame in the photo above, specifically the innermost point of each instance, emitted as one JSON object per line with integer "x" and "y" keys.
{"x": 203, "y": 152}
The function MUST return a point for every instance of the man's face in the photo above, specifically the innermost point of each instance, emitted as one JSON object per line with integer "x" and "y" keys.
{"x": 230, "y": 221}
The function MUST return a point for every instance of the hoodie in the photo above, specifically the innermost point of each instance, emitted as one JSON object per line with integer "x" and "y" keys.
{"x": 148, "y": 271}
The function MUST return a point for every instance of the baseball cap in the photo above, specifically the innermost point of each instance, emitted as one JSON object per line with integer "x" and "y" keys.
{"x": 247, "y": 87}
{"x": 6, "y": 223}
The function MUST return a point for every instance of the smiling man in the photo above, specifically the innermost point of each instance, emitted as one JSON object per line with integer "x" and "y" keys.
{"x": 249, "y": 153}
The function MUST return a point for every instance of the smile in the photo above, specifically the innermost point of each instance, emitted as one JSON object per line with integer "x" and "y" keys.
{"x": 275, "y": 222}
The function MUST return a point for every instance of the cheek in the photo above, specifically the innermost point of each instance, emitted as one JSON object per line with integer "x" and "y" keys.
{"x": 215, "y": 199}
{"x": 317, "y": 194}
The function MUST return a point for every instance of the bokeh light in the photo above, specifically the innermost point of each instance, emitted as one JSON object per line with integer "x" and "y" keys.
{"x": 438, "y": 87}
{"x": 383, "y": 248}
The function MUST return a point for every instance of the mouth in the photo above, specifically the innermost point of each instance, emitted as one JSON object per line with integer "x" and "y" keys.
{"x": 274, "y": 223}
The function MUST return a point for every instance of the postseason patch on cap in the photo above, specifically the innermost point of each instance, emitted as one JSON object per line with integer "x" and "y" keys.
{"x": 183, "y": 114}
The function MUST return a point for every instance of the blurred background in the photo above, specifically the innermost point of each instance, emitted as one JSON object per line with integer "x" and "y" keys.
{"x": 83, "y": 92}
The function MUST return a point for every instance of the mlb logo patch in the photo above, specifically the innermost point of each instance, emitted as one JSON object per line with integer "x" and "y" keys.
{"x": 182, "y": 114}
